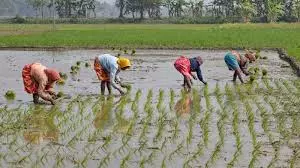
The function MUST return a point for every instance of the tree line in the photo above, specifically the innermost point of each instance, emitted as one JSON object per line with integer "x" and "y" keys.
{"x": 261, "y": 10}
{"x": 64, "y": 8}
{"x": 247, "y": 10}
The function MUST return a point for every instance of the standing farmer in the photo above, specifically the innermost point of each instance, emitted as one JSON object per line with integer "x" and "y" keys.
{"x": 186, "y": 66}
{"x": 39, "y": 81}
{"x": 107, "y": 68}
{"x": 238, "y": 64}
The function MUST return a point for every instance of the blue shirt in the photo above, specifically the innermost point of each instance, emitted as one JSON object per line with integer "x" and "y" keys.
{"x": 110, "y": 65}
{"x": 195, "y": 67}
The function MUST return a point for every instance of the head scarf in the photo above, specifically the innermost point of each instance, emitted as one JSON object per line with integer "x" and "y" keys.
{"x": 199, "y": 60}
{"x": 52, "y": 74}
{"x": 250, "y": 56}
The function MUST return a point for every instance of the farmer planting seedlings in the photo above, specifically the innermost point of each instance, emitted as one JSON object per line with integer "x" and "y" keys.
{"x": 238, "y": 63}
{"x": 186, "y": 66}
{"x": 107, "y": 68}
{"x": 39, "y": 81}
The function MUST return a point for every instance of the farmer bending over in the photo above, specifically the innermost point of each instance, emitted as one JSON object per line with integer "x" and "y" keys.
{"x": 107, "y": 68}
{"x": 39, "y": 81}
{"x": 238, "y": 63}
{"x": 186, "y": 66}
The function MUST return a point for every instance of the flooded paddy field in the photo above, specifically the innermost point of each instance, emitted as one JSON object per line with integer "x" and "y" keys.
{"x": 155, "y": 124}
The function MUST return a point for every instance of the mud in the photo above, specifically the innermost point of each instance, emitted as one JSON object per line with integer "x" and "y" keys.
{"x": 88, "y": 131}
{"x": 151, "y": 69}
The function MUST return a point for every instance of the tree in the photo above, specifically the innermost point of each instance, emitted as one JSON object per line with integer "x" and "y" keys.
{"x": 131, "y": 7}
{"x": 195, "y": 7}
{"x": 38, "y": 6}
{"x": 247, "y": 10}
{"x": 153, "y": 8}
{"x": 121, "y": 5}
{"x": 274, "y": 10}
{"x": 296, "y": 9}
{"x": 169, "y": 4}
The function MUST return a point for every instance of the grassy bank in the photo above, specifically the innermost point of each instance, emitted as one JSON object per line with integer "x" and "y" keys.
{"x": 154, "y": 36}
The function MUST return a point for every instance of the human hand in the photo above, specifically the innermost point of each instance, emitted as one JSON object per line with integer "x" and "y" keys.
{"x": 121, "y": 92}
{"x": 52, "y": 102}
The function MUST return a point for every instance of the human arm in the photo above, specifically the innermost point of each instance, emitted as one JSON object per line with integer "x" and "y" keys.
{"x": 43, "y": 93}
{"x": 199, "y": 74}
{"x": 113, "y": 73}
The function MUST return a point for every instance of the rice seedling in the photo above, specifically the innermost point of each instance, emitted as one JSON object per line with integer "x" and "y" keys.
{"x": 87, "y": 64}
{"x": 196, "y": 102}
{"x": 160, "y": 100}
{"x": 125, "y": 160}
{"x": 252, "y": 78}
{"x": 257, "y": 54}
{"x": 61, "y": 82}
{"x": 161, "y": 125}
{"x": 142, "y": 163}
{"x": 176, "y": 151}
{"x": 235, "y": 125}
{"x": 250, "y": 116}
{"x": 10, "y": 95}
{"x": 172, "y": 99}
{"x": 264, "y": 72}
{"x": 176, "y": 130}
{"x": 78, "y": 63}
{"x": 73, "y": 68}
{"x": 60, "y": 94}
{"x": 107, "y": 141}
{"x": 105, "y": 161}
{"x": 163, "y": 145}
{"x": 295, "y": 157}
{"x": 255, "y": 153}
{"x": 163, "y": 163}
{"x": 63, "y": 75}
{"x": 204, "y": 123}
{"x": 133, "y": 52}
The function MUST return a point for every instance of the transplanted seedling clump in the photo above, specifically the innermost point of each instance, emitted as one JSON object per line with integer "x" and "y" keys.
{"x": 133, "y": 52}
{"x": 60, "y": 94}
{"x": 87, "y": 64}
{"x": 61, "y": 82}
{"x": 264, "y": 72}
{"x": 10, "y": 95}
{"x": 63, "y": 75}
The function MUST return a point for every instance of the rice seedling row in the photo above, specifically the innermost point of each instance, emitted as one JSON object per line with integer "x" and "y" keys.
{"x": 144, "y": 130}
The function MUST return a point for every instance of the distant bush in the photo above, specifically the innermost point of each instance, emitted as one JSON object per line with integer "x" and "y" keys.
{"x": 165, "y": 20}
{"x": 18, "y": 19}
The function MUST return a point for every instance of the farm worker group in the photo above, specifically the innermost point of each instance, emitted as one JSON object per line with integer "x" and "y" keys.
{"x": 39, "y": 80}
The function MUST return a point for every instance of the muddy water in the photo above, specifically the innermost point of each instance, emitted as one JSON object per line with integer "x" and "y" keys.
{"x": 75, "y": 132}
{"x": 151, "y": 69}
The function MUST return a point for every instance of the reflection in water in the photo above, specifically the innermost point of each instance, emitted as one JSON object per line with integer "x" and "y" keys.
{"x": 41, "y": 126}
{"x": 183, "y": 106}
{"x": 103, "y": 115}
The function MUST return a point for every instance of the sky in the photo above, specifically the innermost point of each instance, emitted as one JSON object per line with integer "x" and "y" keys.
{"x": 109, "y": 1}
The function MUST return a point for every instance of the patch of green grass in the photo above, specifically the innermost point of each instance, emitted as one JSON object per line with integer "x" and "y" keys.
{"x": 156, "y": 36}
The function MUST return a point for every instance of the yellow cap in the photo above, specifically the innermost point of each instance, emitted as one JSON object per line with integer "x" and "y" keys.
{"x": 124, "y": 62}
